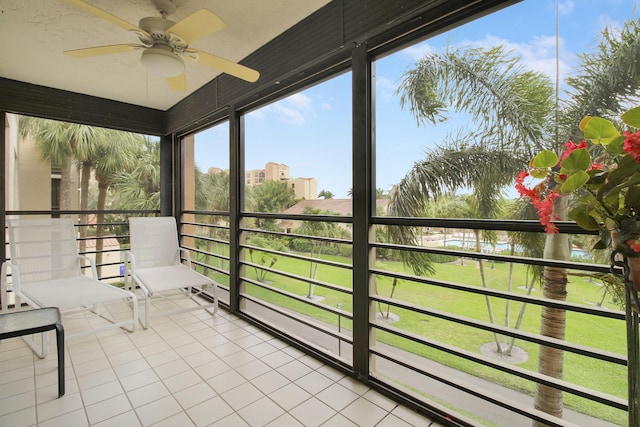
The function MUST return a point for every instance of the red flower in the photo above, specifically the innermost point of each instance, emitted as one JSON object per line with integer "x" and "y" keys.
{"x": 541, "y": 198}
{"x": 632, "y": 144}
{"x": 634, "y": 245}
{"x": 571, "y": 146}
{"x": 596, "y": 166}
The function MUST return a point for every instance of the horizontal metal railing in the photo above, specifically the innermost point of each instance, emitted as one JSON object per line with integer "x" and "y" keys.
{"x": 283, "y": 304}
{"x": 535, "y": 338}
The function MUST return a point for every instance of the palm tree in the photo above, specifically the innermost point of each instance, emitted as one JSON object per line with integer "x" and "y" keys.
{"x": 212, "y": 194}
{"x": 514, "y": 109}
{"x": 139, "y": 187}
{"x": 325, "y": 194}
{"x": 114, "y": 152}
{"x": 319, "y": 229}
{"x": 64, "y": 144}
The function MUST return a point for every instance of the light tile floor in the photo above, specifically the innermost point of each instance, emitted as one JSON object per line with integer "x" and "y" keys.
{"x": 191, "y": 369}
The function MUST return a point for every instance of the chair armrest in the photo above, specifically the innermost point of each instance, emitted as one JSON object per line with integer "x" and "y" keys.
{"x": 15, "y": 277}
{"x": 185, "y": 255}
{"x": 130, "y": 258}
{"x": 94, "y": 270}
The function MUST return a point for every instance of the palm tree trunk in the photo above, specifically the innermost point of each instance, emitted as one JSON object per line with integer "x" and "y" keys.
{"x": 84, "y": 203}
{"x": 207, "y": 258}
{"x": 313, "y": 249}
{"x": 553, "y": 320}
{"x": 102, "y": 199}
{"x": 521, "y": 314}
{"x": 507, "y": 311}
{"x": 65, "y": 184}
{"x": 486, "y": 297}
{"x": 393, "y": 290}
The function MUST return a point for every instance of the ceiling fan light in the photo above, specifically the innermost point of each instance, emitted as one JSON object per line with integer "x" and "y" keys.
{"x": 161, "y": 60}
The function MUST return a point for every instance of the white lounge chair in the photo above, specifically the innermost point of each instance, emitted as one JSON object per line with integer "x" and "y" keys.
{"x": 155, "y": 265}
{"x": 46, "y": 271}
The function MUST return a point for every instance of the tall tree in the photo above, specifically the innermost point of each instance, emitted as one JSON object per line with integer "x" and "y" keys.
{"x": 516, "y": 113}
{"x": 113, "y": 152}
{"x": 325, "y": 194}
{"x": 319, "y": 229}
{"x": 270, "y": 196}
{"x": 139, "y": 187}
{"x": 212, "y": 194}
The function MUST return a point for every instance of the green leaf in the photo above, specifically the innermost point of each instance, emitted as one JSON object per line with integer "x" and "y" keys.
{"x": 539, "y": 173}
{"x": 574, "y": 181}
{"x": 583, "y": 219}
{"x": 616, "y": 146}
{"x": 600, "y": 131}
{"x": 632, "y": 117}
{"x": 545, "y": 159}
{"x": 601, "y": 244}
{"x": 632, "y": 199}
{"x": 578, "y": 160}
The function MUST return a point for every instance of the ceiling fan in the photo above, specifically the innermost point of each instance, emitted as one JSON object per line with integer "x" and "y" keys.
{"x": 164, "y": 43}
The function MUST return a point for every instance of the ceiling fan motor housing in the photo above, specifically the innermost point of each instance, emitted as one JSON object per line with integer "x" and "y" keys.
{"x": 156, "y": 27}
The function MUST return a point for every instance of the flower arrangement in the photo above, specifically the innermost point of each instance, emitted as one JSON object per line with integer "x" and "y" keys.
{"x": 603, "y": 178}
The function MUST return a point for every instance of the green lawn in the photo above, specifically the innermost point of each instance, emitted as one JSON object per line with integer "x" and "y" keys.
{"x": 583, "y": 329}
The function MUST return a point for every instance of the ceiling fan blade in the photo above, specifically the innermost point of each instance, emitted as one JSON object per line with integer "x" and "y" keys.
{"x": 89, "y": 8}
{"x": 197, "y": 25}
{"x": 101, "y": 50}
{"x": 178, "y": 83}
{"x": 226, "y": 66}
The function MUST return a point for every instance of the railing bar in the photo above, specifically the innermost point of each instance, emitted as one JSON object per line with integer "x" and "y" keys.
{"x": 300, "y": 278}
{"x": 537, "y": 339}
{"x": 510, "y": 369}
{"x": 533, "y": 226}
{"x": 599, "y": 268}
{"x": 300, "y": 257}
{"x": 619, "y": 315}
{"x": 205, "y": 225}
{"x": 203, "y": 252}
{"x": 298, "y": 298}
{"x": 297, "y": 236}
{"x": 484, "y": 395}
{"x": 205, "y": 238}
{"x": 210, "y": 267}
{"x": 316, "y": 218}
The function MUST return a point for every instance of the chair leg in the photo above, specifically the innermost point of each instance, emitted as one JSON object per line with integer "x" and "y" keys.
{"x": 60, "y": 344}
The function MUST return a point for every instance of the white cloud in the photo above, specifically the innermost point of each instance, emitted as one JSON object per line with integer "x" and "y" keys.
{"x": 298, "y": 101}
{"x": 288, "y": 115}
{"x": 565, "y": 7}
{"x": 294, "y": 110}
{"x": 386, "y": 88}
{"x": 418, "y": 51}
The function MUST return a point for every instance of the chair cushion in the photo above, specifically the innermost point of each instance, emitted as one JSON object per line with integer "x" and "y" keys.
{"x": 73, "y": 292}
{"x": 158, "y": 279}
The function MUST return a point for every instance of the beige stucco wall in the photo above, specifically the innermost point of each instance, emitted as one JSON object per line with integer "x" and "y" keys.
{"x": 304, "y": 188}
{"x": 28, "y": 176}
{"x": 276, "y": 172}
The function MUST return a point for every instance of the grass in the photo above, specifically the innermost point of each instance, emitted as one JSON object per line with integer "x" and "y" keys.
{"x": 601, "y": 333}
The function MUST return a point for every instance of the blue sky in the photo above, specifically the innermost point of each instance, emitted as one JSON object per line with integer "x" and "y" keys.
{"x": 311, "y": 130}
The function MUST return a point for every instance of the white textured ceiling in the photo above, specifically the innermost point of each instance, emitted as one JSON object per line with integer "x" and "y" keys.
{"x": 34, "y": 33}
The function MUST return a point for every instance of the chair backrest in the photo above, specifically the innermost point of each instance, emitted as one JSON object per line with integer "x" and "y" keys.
{"x": 43, "y": 249}
{"x": 154, "y": 241}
